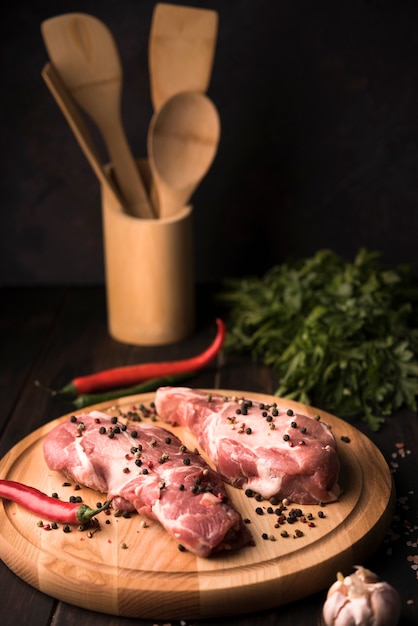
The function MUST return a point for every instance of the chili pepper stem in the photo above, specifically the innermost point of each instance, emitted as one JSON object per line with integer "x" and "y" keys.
{"x": 85, "y": 512}
{"x": 52, "y": 392}
{"x": 68, "y": 390}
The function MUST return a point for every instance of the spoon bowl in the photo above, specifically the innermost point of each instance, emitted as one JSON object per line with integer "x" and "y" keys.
{"x": 183, "y": 139}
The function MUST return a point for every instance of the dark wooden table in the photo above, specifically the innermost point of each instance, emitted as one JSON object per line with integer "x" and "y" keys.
{"x": 53, "y": 334}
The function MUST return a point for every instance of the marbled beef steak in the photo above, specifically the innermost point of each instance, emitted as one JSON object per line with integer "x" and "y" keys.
{"x": 146, "y": 468}
{"x": 262, "y": 447}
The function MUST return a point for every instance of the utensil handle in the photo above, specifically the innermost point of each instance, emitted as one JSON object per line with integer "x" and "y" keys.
{"x": 76, "y": 122}
{"x": 126, "y": 172}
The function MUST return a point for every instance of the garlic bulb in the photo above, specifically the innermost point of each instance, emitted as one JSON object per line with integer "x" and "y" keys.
{"x": 360, "y": 600}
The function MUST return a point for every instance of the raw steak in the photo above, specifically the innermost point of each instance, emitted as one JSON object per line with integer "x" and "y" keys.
{"x": 145, "y": 468}
{"x": 271, "y": 451}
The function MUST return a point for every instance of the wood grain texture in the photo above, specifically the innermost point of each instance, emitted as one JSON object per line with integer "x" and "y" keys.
{"x": 152, "y": 578}
{"x": 84, "y": 52}
{"x": 183, "y": 139}
{"x": 148, "y": 261}
{"x": 181, "y": 50}
{"x": 80, "y": 129}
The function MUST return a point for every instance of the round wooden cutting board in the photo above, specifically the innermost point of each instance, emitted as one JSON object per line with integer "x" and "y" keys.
{"x": 135, "y": 569}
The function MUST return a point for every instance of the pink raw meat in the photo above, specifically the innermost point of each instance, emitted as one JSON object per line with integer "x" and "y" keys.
{"x": 256, "y": 446}
{"x": 145, "y": 468}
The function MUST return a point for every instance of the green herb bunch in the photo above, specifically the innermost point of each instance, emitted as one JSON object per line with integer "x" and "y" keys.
{"x": 343, "y": 334}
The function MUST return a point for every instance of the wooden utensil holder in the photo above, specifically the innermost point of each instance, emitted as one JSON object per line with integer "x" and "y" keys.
{"x": 149, "y": 273}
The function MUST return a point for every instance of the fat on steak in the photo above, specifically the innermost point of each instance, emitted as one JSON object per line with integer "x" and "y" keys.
{"x": 262, "y": 447}
{"x": 146, "y": 468}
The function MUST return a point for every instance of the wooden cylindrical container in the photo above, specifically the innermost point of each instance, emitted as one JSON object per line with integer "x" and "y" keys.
{"x": 149, "y": 274}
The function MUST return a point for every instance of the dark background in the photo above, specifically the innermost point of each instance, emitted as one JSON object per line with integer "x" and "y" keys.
{"x": 319, "y": 110}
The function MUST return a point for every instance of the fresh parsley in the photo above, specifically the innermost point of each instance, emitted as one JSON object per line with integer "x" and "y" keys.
{"x": 344, "y": 334}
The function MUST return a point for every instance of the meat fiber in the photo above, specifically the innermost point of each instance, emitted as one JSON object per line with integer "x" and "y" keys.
{"x": 146, "y": 468}
{"x": 262, "y": 447}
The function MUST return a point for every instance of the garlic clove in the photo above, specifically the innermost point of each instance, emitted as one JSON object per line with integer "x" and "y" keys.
{"x": 385, "y": 604}
{"x": 360, "y": 600}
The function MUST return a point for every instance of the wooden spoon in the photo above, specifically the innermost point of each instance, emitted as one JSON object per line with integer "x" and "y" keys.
{"x": 84, "y": 53}
{"x": 81, "y": 132}
{"x": 183, "y": 139}
{"x": 181, "y": 50}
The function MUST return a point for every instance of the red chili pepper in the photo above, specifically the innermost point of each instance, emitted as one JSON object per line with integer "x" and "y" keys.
{"x": 46, "y": 506}
{"x": 132, "y": 374}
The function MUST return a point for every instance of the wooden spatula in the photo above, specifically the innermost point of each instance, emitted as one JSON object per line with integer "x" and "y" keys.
{"x": 81, "y": 132}
{"x": 181, "y": 50}
{"x": 84, "y": 53}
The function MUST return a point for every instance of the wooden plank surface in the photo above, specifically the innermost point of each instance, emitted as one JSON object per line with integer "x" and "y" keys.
{"x": 151, "y": 578}
{"x": 59, "y": 332}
